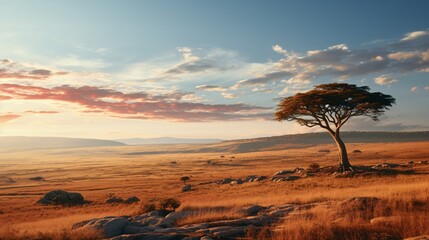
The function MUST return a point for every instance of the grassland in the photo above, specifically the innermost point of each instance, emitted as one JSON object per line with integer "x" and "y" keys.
{"x": 149, "y": 172}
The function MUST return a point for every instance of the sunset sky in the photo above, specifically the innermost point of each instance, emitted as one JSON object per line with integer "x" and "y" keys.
{"x": 202, "y": 69}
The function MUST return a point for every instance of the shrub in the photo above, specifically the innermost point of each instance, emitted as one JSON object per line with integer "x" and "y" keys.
{"x": 148, "y": 207}
{"x": 169, "y": 204}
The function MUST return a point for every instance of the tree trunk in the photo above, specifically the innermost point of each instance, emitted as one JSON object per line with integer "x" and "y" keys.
{"x": 344, "y": 159}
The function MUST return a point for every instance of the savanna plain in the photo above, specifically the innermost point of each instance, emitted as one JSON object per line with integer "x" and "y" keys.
{"x": 316, "y": 203}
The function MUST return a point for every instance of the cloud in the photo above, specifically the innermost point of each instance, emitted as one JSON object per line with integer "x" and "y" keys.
{"x": 384, "y": 80}
{"x": 228, "y": 95}
{"x": 279, "y": 49}
{"x": 414, "y": 89}
{"x": 426, "y": 88}
{"x": 13, "y": 70}
{"x": 137, "y": 105}
{"x": 8, "y": 117}
{"x": 210, "y": 88}
{"x": 41, "y": 112}
{"x": 409, "y": 54}
{"x": 415, "y": 35}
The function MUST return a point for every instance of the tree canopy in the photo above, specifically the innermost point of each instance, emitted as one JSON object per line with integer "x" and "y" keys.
{"x": 331, "y": 105}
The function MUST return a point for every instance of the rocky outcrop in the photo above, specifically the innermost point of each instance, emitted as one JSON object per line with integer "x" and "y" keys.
{"x": 60, "y": 197}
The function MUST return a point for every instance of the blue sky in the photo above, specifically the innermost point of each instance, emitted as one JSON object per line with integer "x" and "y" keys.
{"x": 202, "y": 68}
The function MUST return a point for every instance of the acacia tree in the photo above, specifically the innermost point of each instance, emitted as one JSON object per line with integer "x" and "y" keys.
{"x": 330, "y": 106}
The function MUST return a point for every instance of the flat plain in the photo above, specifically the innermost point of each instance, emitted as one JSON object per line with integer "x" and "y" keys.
{"x": 125, "y": 171}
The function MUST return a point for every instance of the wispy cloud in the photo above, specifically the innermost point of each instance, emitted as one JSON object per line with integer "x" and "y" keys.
{"x": 13, "y": 70}
{"x": 137, "y": 105}
{"x": 8, "y": 117}
{"x": 411, "y": 53}
{"x": 384, "y": 80}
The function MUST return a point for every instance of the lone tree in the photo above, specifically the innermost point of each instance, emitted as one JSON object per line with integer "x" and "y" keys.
{"x": 330, "y": 106}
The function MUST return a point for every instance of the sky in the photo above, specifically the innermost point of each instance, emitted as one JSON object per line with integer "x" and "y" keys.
{"x": 203, "y": 69}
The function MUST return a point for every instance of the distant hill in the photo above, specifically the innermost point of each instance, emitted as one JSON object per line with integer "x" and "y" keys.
{"x": 295, "y": 140}
{"x": 282, "y": 142}
{"x": 53, "y": 142}
{"x": 165, "y": 140}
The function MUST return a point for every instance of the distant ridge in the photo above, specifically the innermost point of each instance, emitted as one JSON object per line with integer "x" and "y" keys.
{"x": 53, "y": 142}
{"x": 166, "y": 140}
{"x": 277, "y": 142}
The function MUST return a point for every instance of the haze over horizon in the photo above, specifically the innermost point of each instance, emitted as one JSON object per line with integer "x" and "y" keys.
{"x": 202, "y": 69}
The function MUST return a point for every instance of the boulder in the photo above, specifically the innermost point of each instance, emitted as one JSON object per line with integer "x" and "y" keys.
{"x": 187, "y": 188}
{"x": 110, "y": 226}
{"x": 39, "y": 179}
{"x": 252, "y": 210}
{"x": 114, "y": 200}
{"x": 132, "y": 199}
{"x": 60, "y": 197}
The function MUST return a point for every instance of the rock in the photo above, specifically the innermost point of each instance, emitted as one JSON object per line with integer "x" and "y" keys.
{"x": 357, "y": 151}
{"x": 284, "y": 178}
{"x": 422, "y": 237}
{"x": 423, "y": 162}
{"x": 386, "y": 165}
{"x": 111, "y": 226}
{"x": 187, "y": 188}
{"x": 114, "y": 200}
{"x": 410, "y": 162}
{"x": 37, "y": 179}
{"x": 252, "y": 210}
{"x": 149, "y": 236}
{"x": 284, "y": 172}
{"x": 136, "y": 229}
{"x": 132, "y": 199}
{"x": 230, "y": 232}
{"x": 60, "y": 197}
{"x": 206, "y": 238}
{"x": 238, "y": 181}
{"x": 385, "y": 220}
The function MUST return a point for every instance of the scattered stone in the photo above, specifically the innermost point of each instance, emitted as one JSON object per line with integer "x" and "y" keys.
{"x": 111, "y": 226}
{"x": 60, "y": 197}
{"x": 132, "y": 199}
{"x": 187, "y": 188}
{"x": 254, "y": 178}
{"x": 252, "y": 210}
{"x": 114, "y": 200}
{"x": 357, "y": 151}
{"x": 410, "y": 162}
{"x": 423, "y": 162}
{"x": 238, "y": 181}
{"x": 284, "y": 172}
{"x": 284, "y": 178}
{"x": 386, "y": 165}
{"x": 37, "y": 179}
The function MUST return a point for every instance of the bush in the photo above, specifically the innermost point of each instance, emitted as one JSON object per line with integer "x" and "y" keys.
{"x": 169, "y": 204}
{"x": 164, "y": 204}
{"x": 148, "y": 207}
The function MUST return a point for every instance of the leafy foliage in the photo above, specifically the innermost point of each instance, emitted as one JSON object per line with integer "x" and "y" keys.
{"x": 331, "y": 105}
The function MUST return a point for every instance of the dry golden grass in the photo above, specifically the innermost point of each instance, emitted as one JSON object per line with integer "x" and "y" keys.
{"x": 96, "y": 172}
